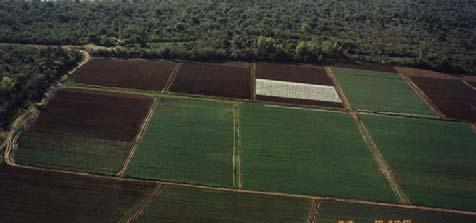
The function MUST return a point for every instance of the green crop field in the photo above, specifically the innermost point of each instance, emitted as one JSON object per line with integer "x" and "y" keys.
{"x": 187, "y": 140}
{"x": 380, "y": 91}
{"x": 432, "y": 160}
{"x": 71, "y": 152}
{"x": 307, "y": 152}
{"x": 181, "y": 204}
{"x": 333, "y": 212}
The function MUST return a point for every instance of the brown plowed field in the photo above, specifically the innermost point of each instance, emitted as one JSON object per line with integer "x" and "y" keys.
{"x": 371, "y": 67}
{"x": 140, "y": 74}
{"x": 37, "y": 196}
{"x": 299, "y": 101}
{"x": 452, "y": 97}
{"x": 414, "y": 72}
{"x": 293, "y": 73}
{"x": 222, "y": 80}
{"x": 472, "y": 83}
{"x": 115, "y": 116}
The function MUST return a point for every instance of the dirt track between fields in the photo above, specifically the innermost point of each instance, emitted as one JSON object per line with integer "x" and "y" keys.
{"x": 140, "y": 207}
{"x": 419, "y": 92}
{"x": 315, "y": 211}
{"x": 142, "y": 130}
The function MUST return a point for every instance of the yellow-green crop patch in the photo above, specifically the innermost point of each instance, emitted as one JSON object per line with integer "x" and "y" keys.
{"x": 380, "y": 91}
{"x": 307, "y": 152}
{"x": 187, "y": 140}
{"x": 432, "y": 160}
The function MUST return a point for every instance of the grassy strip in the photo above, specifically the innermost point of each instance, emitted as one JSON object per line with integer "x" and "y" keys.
{"x": 180, "y": 204}
{"x": 432, "y": 160}
{"x": 380, "y": 91}
{"x": 71, "y": 152}
{"x": 187, "y": 140}
{"x": 333, "y": 211}
{"x": 307, "y": 152}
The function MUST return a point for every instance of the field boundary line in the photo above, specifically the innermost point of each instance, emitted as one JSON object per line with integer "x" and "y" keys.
{"x": 171, "y": 79}
{"x": 237, "y": 171}
{"x": 253, "y": 81}
{"x": 338, "y": 88}
{"x": 144, "y": 203}
{"x": 314, "y": 211}
{"x": 420, "y": 93}
{"x": 404, "y": 115}
{"x": 280, "y": 194}
{"x": 138, "y": 137}
{"x": 378, "y": 157}
{"x": 17, "y": 127}
{"x": 469, "y": 85}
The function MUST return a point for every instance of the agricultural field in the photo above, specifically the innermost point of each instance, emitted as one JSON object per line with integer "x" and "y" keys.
{"x": 432, "y": 160}
{"x": 452, "y": 97}
{"x": 187, "y": 140}
{"x": 334, "y": 211}
{"x": 295, "y": 84}
{"x": 42, "y": 196}
{"x": 368, "y": 67}
{"x": 139, "y": 74}
{"x": 83, "y": 130}
{"x": 230, "y": 80}
{"x": 380, "y": 91}
{"x": 182, "y": 204}
{"x": 307, "y": 152}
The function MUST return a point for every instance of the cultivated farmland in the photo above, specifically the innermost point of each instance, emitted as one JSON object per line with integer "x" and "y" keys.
{"x": 307, "y": 152}
{"x": 83, "y": 130}
{"x": 334, "y": 211}
{"x": 41, "y": 196}
{"x": 140, "y": 74}
{"x": 452, "y": 97}
{"x": 432, "y": 160}
{"x": 182, "y": 204}
{"x": 187, "y": 140}
{"x": 380, "y": 91}
{"x": 295, "y": 84}
{"x": 229, "y": 80}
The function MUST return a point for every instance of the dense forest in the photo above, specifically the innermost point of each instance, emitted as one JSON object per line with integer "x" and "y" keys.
{"x": 27, "y": 72}
{"x": 437, "y": 34}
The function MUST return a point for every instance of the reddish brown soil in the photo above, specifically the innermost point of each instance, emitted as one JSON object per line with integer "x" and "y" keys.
{"x": 371, "y": 67}
{"x": 414, "y": 72}
{"x": 222, "y": 80}
{"x": 38, "y": 196}
{"x": 298, "y": 101}
{"x": 293, "y": 73}
{"x": 140, "y": 74}
{"x": 452, "y": 97}
{"x": 89, "y": 113}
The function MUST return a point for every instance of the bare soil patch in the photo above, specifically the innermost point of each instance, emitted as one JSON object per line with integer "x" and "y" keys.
{"x": 292, "y": 101}
{"x": 371, "y": 67}
{"x": 89, "y": 113}
{"x": 140, "y": 74}
{"x": 414, "y": 72}
{"x": 305, "y": 73}
{"x": 231, "y": 80}
{"x": 452, "y": 97}
{"x": 39, "y": 196}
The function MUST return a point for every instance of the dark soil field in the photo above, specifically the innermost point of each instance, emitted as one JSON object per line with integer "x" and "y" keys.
{"x": 293, "y": 101}
{"x": 140, "y": 74}
{"x": 39, "y": 196}
{"x": 371, "y": 67}
{"x": 414, "y": 72}
{"x": 222, "y": 80}
{"x": 87, "y": 113}
{"x": 293, "y": 73}
{"x": 452, "y": 97}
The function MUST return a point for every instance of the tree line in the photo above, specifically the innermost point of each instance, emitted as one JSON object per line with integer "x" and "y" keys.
{"x": 437, "y": 34}
{"x": 27, "y": 72}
